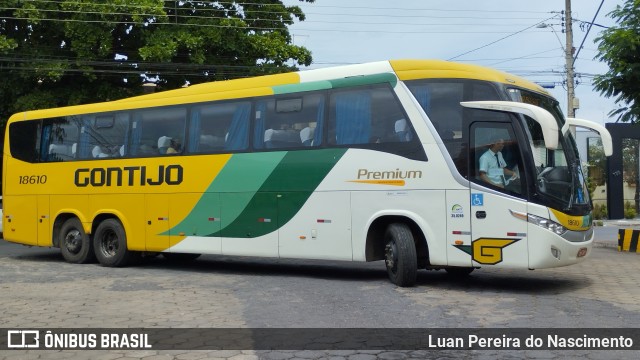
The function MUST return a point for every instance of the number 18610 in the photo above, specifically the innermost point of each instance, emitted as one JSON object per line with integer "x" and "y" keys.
{"x": 32, "y": 179}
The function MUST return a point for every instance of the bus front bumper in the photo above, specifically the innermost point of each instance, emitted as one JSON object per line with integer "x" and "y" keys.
{"x": 547, "y": 250}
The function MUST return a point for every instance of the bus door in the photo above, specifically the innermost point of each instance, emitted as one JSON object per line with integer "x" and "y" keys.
{"x": 196, "y": 216}
{"x": 498, "y": 237}
{"x": 44, "y": 221}
{"x": 316, "y": 226}
{"x": 157, "y": 221}
{"x": 249, "y": 223}
{"x": 458, "y": 228}
{"x": 20, "y": 216}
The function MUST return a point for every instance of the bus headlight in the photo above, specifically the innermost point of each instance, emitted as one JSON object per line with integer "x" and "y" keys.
{"x": 547, "y": 224}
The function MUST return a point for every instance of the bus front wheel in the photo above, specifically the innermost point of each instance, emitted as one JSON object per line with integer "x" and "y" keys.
{"x": 400, "y": 255}
{"x": 110, "y": 244}
{"x": 75, "y": 244}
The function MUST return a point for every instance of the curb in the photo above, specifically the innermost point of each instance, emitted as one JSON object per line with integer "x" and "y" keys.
{"x": 605, "y": 244}
{"x": 628, "y": 240}
{"x": 621, "y": 223}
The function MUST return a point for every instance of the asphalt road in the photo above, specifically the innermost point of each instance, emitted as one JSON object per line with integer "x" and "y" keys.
{"x": 39, "y": 290}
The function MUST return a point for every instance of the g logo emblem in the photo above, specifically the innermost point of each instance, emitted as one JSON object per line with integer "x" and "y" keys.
{"x": 489, "y": 251}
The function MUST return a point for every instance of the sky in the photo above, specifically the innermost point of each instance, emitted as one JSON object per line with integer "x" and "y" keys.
{"x": 339, "y": 32}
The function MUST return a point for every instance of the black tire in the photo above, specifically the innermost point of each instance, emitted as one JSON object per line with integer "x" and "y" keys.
{"x": 180, "y": 257}
{"x": 75, "y": 244}
{"x": 110, "y": 244}
{"x": 400, "y": 255}
{"x": 459, "y": 271}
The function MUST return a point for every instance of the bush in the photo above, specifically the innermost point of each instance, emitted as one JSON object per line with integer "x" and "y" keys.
{"x": 629, "y": 210}
{"x": 600, "y": 212}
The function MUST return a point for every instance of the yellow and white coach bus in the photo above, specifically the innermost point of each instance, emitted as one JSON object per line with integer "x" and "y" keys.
{"x": 422, "y": 164}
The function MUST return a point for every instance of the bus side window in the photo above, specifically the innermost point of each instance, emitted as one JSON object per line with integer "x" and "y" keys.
{"x": 155, "y": 132}
{"x": 104, "y": 136}
{"x": 370, "y": 115}
{"x": 59, "y": 139}
{"x": 289, "y": 121}
{"x": 351, "y": 117}
{"x": 24, "y": 140}
{"x": 219, "y": 127}
{"x": 496, "y": 157}
{"x": 440, "y": 99}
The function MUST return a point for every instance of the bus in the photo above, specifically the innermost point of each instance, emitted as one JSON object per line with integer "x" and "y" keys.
{"x": 367, "y": 162}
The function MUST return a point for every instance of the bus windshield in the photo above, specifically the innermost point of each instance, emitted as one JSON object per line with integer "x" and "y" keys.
{"x": 559, "y": 177}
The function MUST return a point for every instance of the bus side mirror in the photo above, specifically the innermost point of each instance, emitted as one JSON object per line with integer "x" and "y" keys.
{"x": 541, "y": 116}
{"x": 607, "y": 143}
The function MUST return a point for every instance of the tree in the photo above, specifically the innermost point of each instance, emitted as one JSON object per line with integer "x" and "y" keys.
{"x": 58, "y": 53}
{"x": 619, "y": 47}
{"x": 597, "y": 166}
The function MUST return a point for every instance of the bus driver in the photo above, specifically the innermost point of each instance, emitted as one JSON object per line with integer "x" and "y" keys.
{"x": 493, "y": 168}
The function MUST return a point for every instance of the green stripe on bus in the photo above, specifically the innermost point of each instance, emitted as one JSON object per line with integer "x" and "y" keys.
{"x": 365, "y": 80}
{"x": 295, "y": 88}
{"x": 229, "y": 193}
{"x": 283, "y": 193}
{"x": 336, "y": 84}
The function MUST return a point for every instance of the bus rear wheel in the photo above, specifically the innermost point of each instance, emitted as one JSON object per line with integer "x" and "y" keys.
{"x": 75, "y": 244}
{"x": 400, "y": 255}
{"x": 110, "y": 244}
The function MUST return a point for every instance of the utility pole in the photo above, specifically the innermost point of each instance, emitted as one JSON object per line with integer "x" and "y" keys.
{"x": 569, "y": 61}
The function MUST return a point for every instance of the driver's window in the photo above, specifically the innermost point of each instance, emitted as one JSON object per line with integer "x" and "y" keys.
{"x": 496, "y": 159}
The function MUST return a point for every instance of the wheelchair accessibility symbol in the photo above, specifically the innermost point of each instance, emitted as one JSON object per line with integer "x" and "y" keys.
{"x": 477, "y": 200}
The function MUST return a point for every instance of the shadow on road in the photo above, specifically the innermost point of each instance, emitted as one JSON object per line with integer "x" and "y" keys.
{"x": 493, "y": 280}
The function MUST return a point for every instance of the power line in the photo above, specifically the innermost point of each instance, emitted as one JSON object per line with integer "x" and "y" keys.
{"x": 588, "y": 30}
{"x": 145, "y": 24}
{"x": 508, "y": 36}
{"x": 241, "y": 9}
{"x": 257, "y": 27}
{"x": 529, "y": 56}
{"x": 415, "y": 9}
{"x": 175, "y": 16}
{"x": 280, "y": 21}
{"x": 266, "y": 5}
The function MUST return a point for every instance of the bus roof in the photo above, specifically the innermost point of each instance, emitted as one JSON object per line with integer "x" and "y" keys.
{"x": 439, "y": 69}
{"x": 267, "y": 85}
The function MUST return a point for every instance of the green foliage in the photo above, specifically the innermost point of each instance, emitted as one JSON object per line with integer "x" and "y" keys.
{"x": 591, "y": 186}
{"x": 600, "y": 212}
{"x": 619, "y": 47}
{"x": 630, "y": 150}
{"x": 629, "y": 210}
{"x": 7, "y": 44}
{"x": 58, "y": 53}
{"x": 597, "y": 166}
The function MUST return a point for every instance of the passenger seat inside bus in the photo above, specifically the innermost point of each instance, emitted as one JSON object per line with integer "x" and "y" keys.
{"x": 402, "y": 130}
{"x": 281, "y": 138}
{"x": 210, "y": 142}
{"x": 164, "y": 142}
{"x": 306, "y": 136}
{"x": 60, "y": 151}
{"x": 98, "y": 153}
